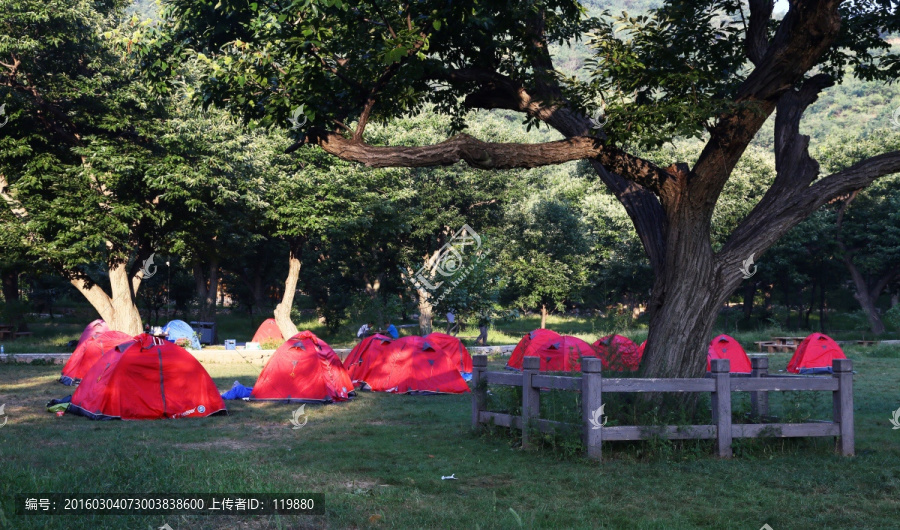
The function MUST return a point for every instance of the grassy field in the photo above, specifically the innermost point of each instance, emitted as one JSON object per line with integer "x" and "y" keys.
{"x": 379, "y": 459}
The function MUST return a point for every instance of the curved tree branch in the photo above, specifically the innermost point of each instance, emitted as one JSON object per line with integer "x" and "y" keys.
{"x": 492, "y": 155}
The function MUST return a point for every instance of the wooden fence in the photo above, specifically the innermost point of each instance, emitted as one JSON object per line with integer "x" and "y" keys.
{"x": 719, "y": 383}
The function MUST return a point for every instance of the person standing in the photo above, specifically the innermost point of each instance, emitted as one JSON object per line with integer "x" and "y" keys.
{"x": 483, "y": 323}
{"x": 451, "y": 321}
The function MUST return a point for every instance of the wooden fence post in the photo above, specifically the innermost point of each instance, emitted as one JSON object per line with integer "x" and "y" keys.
{"x": 721, "y": 405}
{"x": 759, "y": 401}
{"x": 479, "y": 391}
{"x": 591, "y": 405}
{"x": 843, "y": 405}
{"x": 531, "y": 397}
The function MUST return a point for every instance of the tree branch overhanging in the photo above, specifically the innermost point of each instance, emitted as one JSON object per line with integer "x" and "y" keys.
{"x": 491, "y": 155}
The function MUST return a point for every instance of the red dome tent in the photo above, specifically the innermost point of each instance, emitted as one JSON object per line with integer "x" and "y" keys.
{"x": 363, "y": 355}
{"x": 814, "y": 355}
{"x": 518, "y": 353}
{"x": 88, "y": 352}
{"x": 306, "y": 369}
{"x": 94, "y": 328}
{"x": 267, "y": 332}
{"x": 619, "y": 353}
{"x": 725, "y": 347}
{"x": 412, "y": 365}
{"x": 146, "y": 379}
{"x": 454, "y": 347}
{"x": 558, "y": 353}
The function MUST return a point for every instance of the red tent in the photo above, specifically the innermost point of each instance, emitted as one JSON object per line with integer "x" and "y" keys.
{"x": 641, "y": 349}
{"x": 361, "y": 357}
{"x": 94, "y": 328}
{"x": 453, "y": 346}
{"x": 267, "y": 332}
{"x": 412, "y": 365}
{"x": 725, "y": 347}
{"x": 518, "y": 353}
{"x": 304, "y": 368}
{"x": 558, "y": 353}
{"x": 87, "y": 353}
{"x": 619, "y": 353}
{"x": 146, "y": 379}
{"x": 814, "y": 355}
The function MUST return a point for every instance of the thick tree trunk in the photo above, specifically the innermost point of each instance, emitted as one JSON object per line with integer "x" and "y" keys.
{"x": 543, "y": 316}
{"x": 283, "y": 309}
{"x": 687, "y": 297}
{"x": 119, "y": 310}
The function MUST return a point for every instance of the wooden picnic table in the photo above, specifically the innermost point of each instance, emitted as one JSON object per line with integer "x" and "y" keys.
{"x": 788, "y": 340}
{"x": 7, "y": 331}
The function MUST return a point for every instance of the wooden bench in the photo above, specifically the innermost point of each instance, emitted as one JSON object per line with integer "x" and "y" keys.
{"x": 867, "y": 342}
{"x": 23, "y": 334}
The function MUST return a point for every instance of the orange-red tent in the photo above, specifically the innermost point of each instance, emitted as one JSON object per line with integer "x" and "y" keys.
{"x": 814, "y": 355}
{"x": 145, "y": 379}
{"x": 725, "y": 347}
{"x": 558, "y": 353}
{"x": 267, "y": 332}
{"x": 361, "y": 357}
{"x": 88, "y": 352}
{"x": 454, "y": 347}
{"x": 304, "y": 368}
{"x": 618, "y": 353}
{"x": 412, "y": 365}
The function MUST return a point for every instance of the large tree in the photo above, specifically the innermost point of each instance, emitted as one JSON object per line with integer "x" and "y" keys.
{"x": 716, "y": 69}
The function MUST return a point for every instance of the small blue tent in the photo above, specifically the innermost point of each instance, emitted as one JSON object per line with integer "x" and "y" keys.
{"x": 179, "y": 329}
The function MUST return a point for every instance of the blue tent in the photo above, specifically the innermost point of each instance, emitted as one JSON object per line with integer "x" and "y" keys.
{"x": 179, "y": 329}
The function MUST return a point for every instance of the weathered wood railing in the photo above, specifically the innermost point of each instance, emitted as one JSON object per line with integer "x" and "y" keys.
{"x": 719, "y": 384}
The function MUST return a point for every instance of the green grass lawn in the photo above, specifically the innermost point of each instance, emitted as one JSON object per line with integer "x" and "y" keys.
{"x": 378, "y": 461}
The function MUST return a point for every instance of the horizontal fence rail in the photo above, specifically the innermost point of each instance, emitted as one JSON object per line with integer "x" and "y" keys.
{"x": 719, "y": 383}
